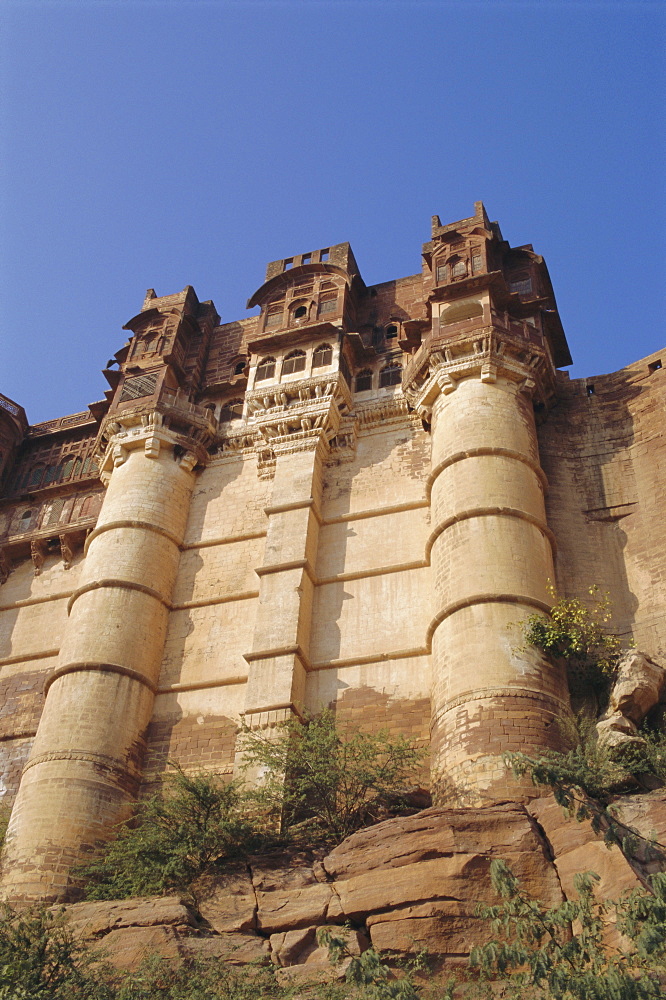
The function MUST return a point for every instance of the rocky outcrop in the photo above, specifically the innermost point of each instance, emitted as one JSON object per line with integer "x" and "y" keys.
{"x": 404, "y": 885}
{"x": 638, "y": 687}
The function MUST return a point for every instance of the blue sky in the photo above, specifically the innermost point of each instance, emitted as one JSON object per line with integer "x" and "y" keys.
{"x": 160, "y": 144}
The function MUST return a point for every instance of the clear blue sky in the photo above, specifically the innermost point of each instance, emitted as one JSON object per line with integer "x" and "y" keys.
{"x": 159, "y": 144}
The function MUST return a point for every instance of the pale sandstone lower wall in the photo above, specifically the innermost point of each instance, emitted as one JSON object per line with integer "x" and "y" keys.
{"x": 33, "y": 616}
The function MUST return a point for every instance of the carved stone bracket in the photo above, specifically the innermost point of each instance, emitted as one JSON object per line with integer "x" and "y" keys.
{"x": 38, "y": 550}
{"x": 297, "y": 416}
{"x": 487, "y": 354}
{"x": 172, "y": 423}
{"x": 66, "y": 550}
{"x": 5, "y": 566}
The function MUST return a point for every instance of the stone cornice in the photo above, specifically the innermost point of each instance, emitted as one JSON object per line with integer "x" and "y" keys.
{"x": 484, "y": 353}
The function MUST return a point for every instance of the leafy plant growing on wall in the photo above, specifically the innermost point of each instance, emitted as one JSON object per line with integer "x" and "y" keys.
{"x": 327, "y": 782}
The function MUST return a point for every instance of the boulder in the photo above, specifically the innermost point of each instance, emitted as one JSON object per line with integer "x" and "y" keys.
{"x": 229, "y": 904}
{"x": 96, "y": 918}
{"x": 282, "y": 910}
{"x": 433, "y": 833}
{"x": 638, "y": 686}
{"x": 127, "y": 947}
{"x": 235, "y": 949}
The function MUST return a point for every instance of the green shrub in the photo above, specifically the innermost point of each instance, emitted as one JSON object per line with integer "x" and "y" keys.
{"x": 537, "y": 948}
{"x": 39, "y": 958}
{"x": 173, "y": 838}
{"x": 329, "y": 782}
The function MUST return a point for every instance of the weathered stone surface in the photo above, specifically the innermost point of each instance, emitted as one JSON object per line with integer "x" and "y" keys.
{"x": 646, "y": 814}
{"x": 236, "y": 949}
{"x": 443, "y": 927}
{"x": 293, "y": 947}
{"x": 229, "y": 904}
{"x": 127, "y": 947}
{"x": 638, "y": 686}
{"x": 433, "y": 833}
{"x": 460, "y": 877}
{"x": 287, "y": 910}
{"x": 95, "y": 919}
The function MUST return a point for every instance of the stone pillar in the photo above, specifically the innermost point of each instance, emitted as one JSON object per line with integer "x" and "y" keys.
{"x": 85, "y": 766}
{"x": 297, "y": 439}
{"x": 492, "y": 557}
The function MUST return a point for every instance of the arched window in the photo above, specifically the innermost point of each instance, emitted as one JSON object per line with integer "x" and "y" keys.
{"x": 363, "y": 380}
{"x": 274, "y": 315}
{"x": 67, "y": 468}
{"x": 232, "y": 410}
{"x": 391, "y": 375}
{"x": 265, "y": 369}
{"x": 52, "y": 474}
{"x": 391, "y": 331}
{"x": 322, "y": 356}
{"x": 300, "y": 312}
{"x": 239, "y": 367}
{"x": 294, "y": 362}
{"x": 458, "y": 267}
{"x": 328, "y": 302}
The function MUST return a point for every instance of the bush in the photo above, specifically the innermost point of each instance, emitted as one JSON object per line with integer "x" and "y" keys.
{"x": 332, "y": 783}
{"x": 39, "y": 958}
{"x": 537, "y": 948}
{"x": 173, "y": 838}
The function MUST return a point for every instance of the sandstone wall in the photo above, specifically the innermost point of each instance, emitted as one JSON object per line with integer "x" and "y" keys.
{"x": 603, "y": 449}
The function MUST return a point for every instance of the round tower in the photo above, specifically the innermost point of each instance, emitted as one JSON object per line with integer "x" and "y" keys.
{"x": 486, "y": 360}
{"x": 85, "y": 766}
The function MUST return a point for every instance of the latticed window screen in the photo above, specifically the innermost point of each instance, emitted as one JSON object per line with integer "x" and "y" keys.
{"x": 53, "y": 516}
{"x": 328, "y": 303}
{"x": 142, "y": 385}
{"x": 523, "y": 286}
{"x": 274, "y": 317}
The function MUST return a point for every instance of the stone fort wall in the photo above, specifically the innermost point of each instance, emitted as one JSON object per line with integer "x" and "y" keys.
{"x": 357, "y": 526}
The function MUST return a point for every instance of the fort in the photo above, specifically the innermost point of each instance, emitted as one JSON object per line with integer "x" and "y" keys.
{"x": 348, "y": 499}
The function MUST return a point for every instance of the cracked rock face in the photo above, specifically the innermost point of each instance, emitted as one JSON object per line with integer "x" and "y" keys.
{"x": 404, "y": 885}
{"x": 638, "y": 687}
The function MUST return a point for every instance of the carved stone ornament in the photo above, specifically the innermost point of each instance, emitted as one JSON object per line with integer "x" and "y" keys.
{"x": 38, "y": 554}
{"x": 66, "y": 551}
{"x": 5, "y": 566}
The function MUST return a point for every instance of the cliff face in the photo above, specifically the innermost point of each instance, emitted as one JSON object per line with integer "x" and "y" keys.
{"x": 405, "y": 885}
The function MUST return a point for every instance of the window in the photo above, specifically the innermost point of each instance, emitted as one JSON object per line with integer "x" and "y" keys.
{"x": 391, "y": 375}
{"x": 323, "y": 355}
{"x": 441, "y": 273}
{"x": 391, "y": 332}
{"x": 35, "y": 476}
{"x": 265, "y": 369}
{"x": 135, "y": 388}
{"x": 328, "y": 303}
{"x": 274, "y": 315}
{"x": 67, "y": 468}
{"x": 363, "y": 381}
{"x": 458, "y": 268}
{"x": 324, "y": 255}
{"x": 239, "y": 367}
{"x": 25, "y": 520}
{"x": 52, "y": 474}
{"x": 232, "y": 410}
{"x": 294, "y": 362}
{"x": 300, "y": 312}
{"x": 477, "y": 263}
{"x": 288, "y": 263}
{"x": 306, "y": 258}
{"x": 654, "y": 366}
{"x": 523, "y": 286}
